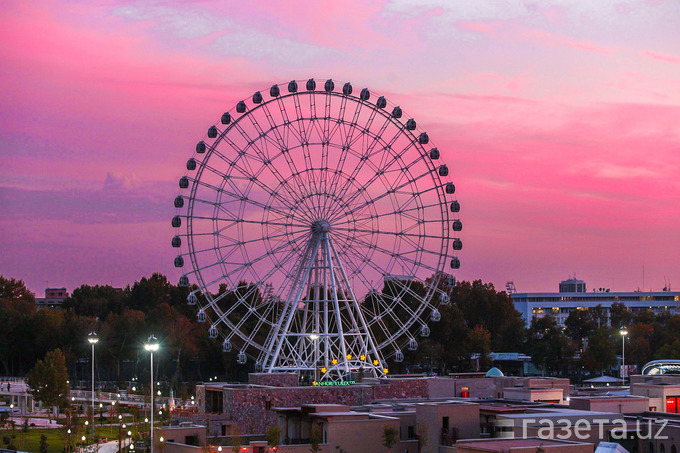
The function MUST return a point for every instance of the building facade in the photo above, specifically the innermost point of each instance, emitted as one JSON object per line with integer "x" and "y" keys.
{"x": 576, "y": 297}
{"x": 53, "y": 299}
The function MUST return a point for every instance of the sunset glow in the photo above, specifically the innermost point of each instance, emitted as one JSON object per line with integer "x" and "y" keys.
{"x": 559, "y": 120}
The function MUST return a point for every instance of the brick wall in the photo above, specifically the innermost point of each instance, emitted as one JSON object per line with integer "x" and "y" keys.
{"x": 247, "y": 407}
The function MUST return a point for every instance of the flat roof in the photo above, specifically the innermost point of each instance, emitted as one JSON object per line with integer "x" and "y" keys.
{"x": 551, "y": 412}
{"x": 504, "y": 444}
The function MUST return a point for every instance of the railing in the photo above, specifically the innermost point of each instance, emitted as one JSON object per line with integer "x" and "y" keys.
{"x": 112, "y": 396}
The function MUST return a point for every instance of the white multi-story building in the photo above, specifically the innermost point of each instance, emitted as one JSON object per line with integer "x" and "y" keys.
{"x": 573, "y": 296}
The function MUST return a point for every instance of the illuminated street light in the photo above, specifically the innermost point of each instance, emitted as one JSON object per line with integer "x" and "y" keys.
{"x": 92, "y": 339}
{"x": 624, "y": 333}
{"x": 151, "y": 345}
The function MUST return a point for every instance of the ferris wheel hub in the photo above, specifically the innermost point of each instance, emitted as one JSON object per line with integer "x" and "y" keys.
{"x": 321, "y": 226}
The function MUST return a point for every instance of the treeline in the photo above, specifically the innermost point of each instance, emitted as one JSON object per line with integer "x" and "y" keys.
{"x": 123, "y": 319}
{"x": 478, "y": 320}
{"x": 589, "y": 342}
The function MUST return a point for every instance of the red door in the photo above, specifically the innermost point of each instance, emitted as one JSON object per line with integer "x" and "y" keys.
{"x": 672, "y": 405}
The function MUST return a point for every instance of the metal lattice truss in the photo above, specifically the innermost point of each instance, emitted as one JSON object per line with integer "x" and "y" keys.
{"x": 317, "y": 229}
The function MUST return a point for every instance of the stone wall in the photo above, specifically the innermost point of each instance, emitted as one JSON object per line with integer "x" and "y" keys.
{"x": 249, "y": 408}
{"x": 200, "y": 398}
{"x": 274, "y": 379}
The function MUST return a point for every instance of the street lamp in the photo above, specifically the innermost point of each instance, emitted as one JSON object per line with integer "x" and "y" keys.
{"x": 92, "y": 339}
{"x": 151, "y": 345}
{"x": 314, "y": 337}
{"x": 623, "y": 332}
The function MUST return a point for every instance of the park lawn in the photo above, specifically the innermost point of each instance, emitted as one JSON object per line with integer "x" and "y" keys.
{"x": 30, "y": 441}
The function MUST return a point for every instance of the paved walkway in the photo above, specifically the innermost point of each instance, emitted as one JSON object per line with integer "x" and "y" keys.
{"x": 108, "y": 447}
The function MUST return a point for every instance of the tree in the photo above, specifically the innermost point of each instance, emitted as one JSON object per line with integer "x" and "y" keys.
{"x": 48, "y": 380}
{"x": 273, "y": 436}
{"x": 619, "y": 316}
{"x": 119, "y": 331}
{"x": 43, "y": 444}
{"x": 482, "y": 305}
{"x": 390, "y": 437}
{"x": 548, "y": 345}
{"x": 579, "y": 324}
{"x": 601, "y": 351}
{"x": 448, "y": 343}
{"x": 480, "y": 342}
{"x": 15, "y": 291}
{"x": 236, "y": 440}
{"x": 17, "y": 306}
{"x": 96, "y": 301}
{"x": 315, "y": 438}
{"x": 421, "y": 435}
{"x": 640, "y": 351}
{"x": 668, "y": 350}
{"x": 182, "y": 336}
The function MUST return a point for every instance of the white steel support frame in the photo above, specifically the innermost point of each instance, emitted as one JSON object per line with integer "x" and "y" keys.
{"x": 323, "y": 298}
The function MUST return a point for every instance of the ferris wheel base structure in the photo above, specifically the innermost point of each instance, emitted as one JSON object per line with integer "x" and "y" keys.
{"x": 317, "y": 231}
{"x": 340, "y": 341}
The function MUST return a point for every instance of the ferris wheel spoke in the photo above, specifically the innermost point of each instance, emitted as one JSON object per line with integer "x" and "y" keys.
{"x": 236, "y": 196}
{"x": 397, "y": 256}
{"x": 367, "y": 154}
{"x": 303, "y": 139}
{"x": 378, "y": 176}
{"x": 248, "y": 174}
{"x": 391, "y": 191}
{"x": 241, "y": 266}
{"x": 404, "y": 211}
{"x": 236, "y": 243}
{"x": 390, "y": 233}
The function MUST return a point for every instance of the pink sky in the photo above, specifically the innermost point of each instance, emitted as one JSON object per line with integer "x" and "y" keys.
{"x": 560, "y": 121}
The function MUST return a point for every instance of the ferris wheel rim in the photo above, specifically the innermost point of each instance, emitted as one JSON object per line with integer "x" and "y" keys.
{"x": 437, "y": 180}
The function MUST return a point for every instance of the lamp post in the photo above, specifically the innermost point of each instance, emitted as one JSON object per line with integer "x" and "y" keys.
{"x": 314, "y": 337}
{"x": 151, "y": 345}
{"x": 623, "y": 332}
{"x": 92, "y": 339}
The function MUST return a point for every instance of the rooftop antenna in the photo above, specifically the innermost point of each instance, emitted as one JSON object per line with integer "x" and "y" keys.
{"x": 510, "y": 287}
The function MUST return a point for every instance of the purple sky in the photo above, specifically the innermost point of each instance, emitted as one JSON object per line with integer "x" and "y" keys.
{"x": 560, "y": 121}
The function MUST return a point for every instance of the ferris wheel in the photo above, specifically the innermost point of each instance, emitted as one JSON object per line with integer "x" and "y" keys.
{"x": 316, "y": 222}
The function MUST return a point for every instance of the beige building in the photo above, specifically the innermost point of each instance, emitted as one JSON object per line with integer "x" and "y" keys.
{"x": 627, "y": 404}
{"x": 522, "y": 445}
{"x": 662, "y": 390}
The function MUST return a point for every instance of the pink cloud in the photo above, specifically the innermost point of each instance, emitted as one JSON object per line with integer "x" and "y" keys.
{"x": 661, "y": 56}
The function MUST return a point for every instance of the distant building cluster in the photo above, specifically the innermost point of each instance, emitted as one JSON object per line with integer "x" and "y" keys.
{"x": 573, "y": 295}
{"x": 53, "y": 299}
{"x": 472, "y": 412}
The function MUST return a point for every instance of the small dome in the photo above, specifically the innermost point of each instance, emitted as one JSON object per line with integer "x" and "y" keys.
{"x": 494, "y": 372}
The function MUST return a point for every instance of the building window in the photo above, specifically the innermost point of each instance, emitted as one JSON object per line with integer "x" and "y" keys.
{"x": 411, "y": 432}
